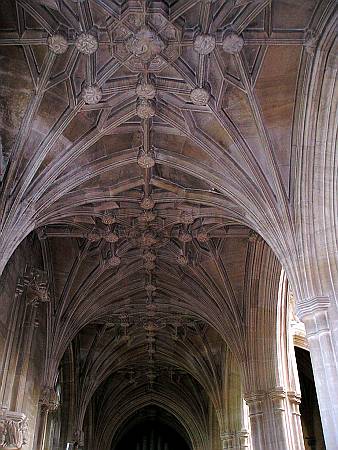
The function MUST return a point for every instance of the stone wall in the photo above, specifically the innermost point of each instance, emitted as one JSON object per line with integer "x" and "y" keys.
{"x": 22, "y": 337}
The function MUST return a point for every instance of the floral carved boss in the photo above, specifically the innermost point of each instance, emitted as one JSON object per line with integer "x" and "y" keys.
{"x": 150, "y": 44}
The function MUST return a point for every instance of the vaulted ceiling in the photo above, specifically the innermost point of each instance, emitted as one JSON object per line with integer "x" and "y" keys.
{"x": 143, "y": 140}
{"x": 216, "y": 115}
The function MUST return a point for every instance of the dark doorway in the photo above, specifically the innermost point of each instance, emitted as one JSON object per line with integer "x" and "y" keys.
{"x": 151, "y": 429}
{"x": 309, "y": 409}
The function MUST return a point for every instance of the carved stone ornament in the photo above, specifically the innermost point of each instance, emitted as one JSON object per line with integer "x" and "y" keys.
{"x": 148, "y": 265}
{"x": 78, "y": 435}
{"x": 108, "y": 218}
{"x": 151, "y": 309}
{"x": 184, "y": 236}
{"x": 147, "y": 216}
{"x": 253, "y": 236}
{"x": 310, "y": 43}
{"x": 204, "y": 44}
{"x": 93, "y": 236}
{"x": 145, "y": 109}
{"x": 13, "y": 430}
{"x": 150, "y": 288}
{"x": 199, "y": 96}
{"x": 57, "y": 44}
{"x": 114, "y": 261}
{"x": 202, "y": 236}
{"x": 237, "y": 439}
{"x": 111, "y": 237}
{"x": 145, "y": 160}
{"x": 148, "y": 239}
{"x": 182, "y": 260}
{"x": 187, "y": 218}
{"x": 145, "y": 45}
{"x": 92, "y": 94}
{"x": 146, "y": 90}
{"x": 86, "y": 43}
{"x": 37, "y": 286}
{"x": 232, "y": 43}
{"x": 147, "y": 202}
{"x": 149, "y": 257}
{"x": 42, "y": 233}
{"x": 49, "y": 399}
{"x": 150, "y": 326}
{"x": 151, "y": 46}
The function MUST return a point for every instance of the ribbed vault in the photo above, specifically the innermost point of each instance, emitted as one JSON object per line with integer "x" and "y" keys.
{"x": 146, "y": 145}
{"x": 79, "y": 156}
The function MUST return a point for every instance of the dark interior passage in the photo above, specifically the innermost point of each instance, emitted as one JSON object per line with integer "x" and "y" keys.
{"x": 151, "y": 429}
{"x": 309, "y": 409}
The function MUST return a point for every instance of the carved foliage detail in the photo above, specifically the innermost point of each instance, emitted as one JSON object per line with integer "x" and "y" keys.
{"x": 145, "y": 44}
{"x": 145, "y": 108}
{"x": 232, "y": 43}
{"x": 204, "y": 44}
{"x": 49, "y": 399}
{"x": 92, "y": 94}
{"x": 36, "y": 282}
{"x": 199, "y": 96}
{"x": 86, "y": 43}
{"x": 57, "y": 44}
{"x": 13, "y": 430}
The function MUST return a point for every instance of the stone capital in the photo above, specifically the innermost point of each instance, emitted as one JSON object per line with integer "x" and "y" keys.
{"x": 295, "y": 401}
{"x": 312, "y": 306}
{"x": 278, "y": 396}
{"x": 255, "y": 403}
{"x": 78, "y": 437}
{"x": 235, "y": 439}
{"x": 36, "y": 283}
{"x": 49, "y": 399}
{"x": 227, "y": 435}
{"x": 228, "y": 440}
{"x": 243, "y": 436}
{"x": 313, "y": 312}
{"x": 13, "y": 429}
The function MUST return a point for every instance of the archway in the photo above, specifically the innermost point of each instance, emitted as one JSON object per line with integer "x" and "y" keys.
{"x": 166, "y": 190}
{"x": 152, "y": 428}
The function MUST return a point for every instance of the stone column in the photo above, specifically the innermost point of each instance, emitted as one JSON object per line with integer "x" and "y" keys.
{"x": 278, "y": 400}
{"x": 11, "y": 346}
{"x": 152, "y": 441}
{"x": 255, "y": 403}
{"x": 144, "y": 442}
{"x": 228, "y": 440}
{"x": 31, "y": 290}
{"x": 78, "y": 439}
{"x": 296, "y": 425}
{"x": 236, "y": 441}
{"x": 42, "y": 427}
{"x": 243, "y": 437}
{"x": 48, "y": 402}
{"x": 273, "y": 425}
{"x": 315, "y": 313}
{"x": 13, "y": 430}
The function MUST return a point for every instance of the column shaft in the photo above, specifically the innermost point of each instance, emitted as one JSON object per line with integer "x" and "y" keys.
{"x": 235, "y": 441}
{"x": 42, "y": 428}
{"x": 315, "y": 314}
{"x": 274, "y": 421}
{"x": 297, "y": 432}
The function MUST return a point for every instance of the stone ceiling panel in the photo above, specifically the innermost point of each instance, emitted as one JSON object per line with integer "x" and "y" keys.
{"x": 145, "y": 140}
